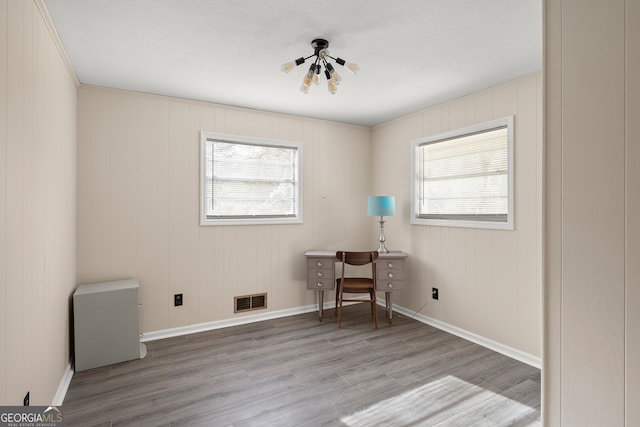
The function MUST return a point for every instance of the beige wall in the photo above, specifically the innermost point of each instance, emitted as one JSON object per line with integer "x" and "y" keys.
{"x": 138, "y": 205}
{"x": 632, "y": 214}
{"x": 138, "y": 159}
{"x": 490, "y": 281}
{"x": 137, "y": 210}
{"x": 592, "y": 293}
{"x": 37, "y": 206}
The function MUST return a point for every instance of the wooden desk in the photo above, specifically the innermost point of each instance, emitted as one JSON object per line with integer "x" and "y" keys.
{"x": 321, "y": 275}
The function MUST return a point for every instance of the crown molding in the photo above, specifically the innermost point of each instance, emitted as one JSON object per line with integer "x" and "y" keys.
{"x": 42, "y": 8}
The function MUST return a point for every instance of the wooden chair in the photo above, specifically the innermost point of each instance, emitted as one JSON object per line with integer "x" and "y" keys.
{"x": 356, "y": 285}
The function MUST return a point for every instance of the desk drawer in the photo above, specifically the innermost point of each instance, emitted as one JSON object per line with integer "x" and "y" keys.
{"x": 390, "y": 264}
{"x": 385, "y": 274}
{"x": 389, "y": 285}
{"x": 390, "y": 274}
{"x": 323, "y": 283}
{"x": 321, "y": 273}
{"x": 321, "y": 263}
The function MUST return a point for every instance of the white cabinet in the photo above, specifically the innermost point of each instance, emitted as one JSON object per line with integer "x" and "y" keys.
{"x": 106, "y": 323}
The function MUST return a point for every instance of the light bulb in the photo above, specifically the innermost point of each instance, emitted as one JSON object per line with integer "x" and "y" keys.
{"x": 316, "y": 76}
{"x": 331, "y": 86}
{"x": 286, "y": 68}
{"x": 336, "y": 77}
{"x": 350, "y": 66}
{"x": 308, "y": 78}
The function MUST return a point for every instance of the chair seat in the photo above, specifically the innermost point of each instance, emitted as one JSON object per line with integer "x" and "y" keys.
{"x": 351, "y": 288}
{"x": 356, "y": 282}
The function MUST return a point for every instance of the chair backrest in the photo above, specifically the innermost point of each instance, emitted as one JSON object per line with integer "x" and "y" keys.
{"x": 357, "y": 258}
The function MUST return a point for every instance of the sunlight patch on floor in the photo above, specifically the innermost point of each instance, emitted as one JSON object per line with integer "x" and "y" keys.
{"x": 450, "y": 401}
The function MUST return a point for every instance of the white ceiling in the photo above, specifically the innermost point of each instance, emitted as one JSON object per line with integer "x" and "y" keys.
{"x": 412, "y": 54}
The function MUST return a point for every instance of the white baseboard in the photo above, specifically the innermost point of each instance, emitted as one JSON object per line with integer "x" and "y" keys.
{"x": 218, "y": 324}
{"x": 58, "y": 398}
{"x": 513, "y": 353}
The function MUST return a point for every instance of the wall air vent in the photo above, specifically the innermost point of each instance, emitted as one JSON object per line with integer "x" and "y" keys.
{"x": 250, "y": 302}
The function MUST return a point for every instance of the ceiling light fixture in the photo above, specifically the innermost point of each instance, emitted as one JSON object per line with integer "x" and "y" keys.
{"x": 321, "y": 53}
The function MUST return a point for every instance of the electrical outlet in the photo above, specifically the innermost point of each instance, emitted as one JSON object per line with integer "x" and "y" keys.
{"x": 177, "y": 300}
{"x": 25, "y": 401}
{"x": 434, "y": 293}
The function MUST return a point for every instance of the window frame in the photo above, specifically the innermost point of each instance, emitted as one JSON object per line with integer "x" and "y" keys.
{"x": 248, "y": 140}
{"x": 504, "y": 122}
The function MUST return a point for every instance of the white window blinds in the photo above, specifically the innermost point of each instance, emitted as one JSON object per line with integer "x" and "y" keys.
{"x": 250, "y": 180}
{"x": 464, "y": 177}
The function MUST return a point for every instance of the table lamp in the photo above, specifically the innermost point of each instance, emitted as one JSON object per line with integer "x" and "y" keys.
{"x": 381, "y": 206}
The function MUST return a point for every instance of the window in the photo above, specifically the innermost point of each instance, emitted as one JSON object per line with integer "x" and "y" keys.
{"x": 249, "y": 180}
{"x": 464, "y": 178}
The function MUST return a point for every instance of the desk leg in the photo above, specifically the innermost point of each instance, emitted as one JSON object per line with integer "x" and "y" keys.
{"x": 389, "y": 306}
{"x": 320, "y": 304}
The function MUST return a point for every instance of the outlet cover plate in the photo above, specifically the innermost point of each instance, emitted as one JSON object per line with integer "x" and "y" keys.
{"x": 177, "y": 300}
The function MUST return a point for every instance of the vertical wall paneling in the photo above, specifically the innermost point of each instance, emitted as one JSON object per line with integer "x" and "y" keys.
{"x": 162, "y": 300}
{"x": 83, "y": 188}
{"x": 229, "y": 283}
{"x": 30, "y": 205}
{"x": 207, "y": 238}
{"x": 552, "y": 293}
{"x": 484, "y": 107}
{"x": 97, "y": 177}
{"x": 178, "y": 207}
{"x": 413, "y": 269}
{"x": 541, "y": 197}
{"x": 148, "y": 211}
{"x": 146, "y": 149}
{"x": 59, "y": 266}
{"x": 123, "y": 196}
{"x": 593, "y": 211}
{"x": 484, "y": 279}
{"x": 15, "y": 201}
{"x": 632, "y": 326}
{"x": 193, "y": 149}
{"x": 4, "y": 88}
{"x": 137, "y": 164}
{"x": 37, "y": 206}
{"x": 490, "y": 281}
{"x": 592, "y": 234}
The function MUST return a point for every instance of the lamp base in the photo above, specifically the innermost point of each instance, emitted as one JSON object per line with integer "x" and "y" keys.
{"x": 382, "y": 238}
{"x": 382, "y": 249}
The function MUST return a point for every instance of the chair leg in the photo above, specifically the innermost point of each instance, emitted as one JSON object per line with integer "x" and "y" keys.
{"x": 375, "y": 308}
{"x": 335, "y": 309}
{"x": 340, "y": 309}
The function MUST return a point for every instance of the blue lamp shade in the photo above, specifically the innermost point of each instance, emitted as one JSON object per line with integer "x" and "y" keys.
{"x": 381, "y": 206}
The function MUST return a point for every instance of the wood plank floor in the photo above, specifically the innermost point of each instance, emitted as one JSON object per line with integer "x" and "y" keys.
{"x": 296, "y": 371}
